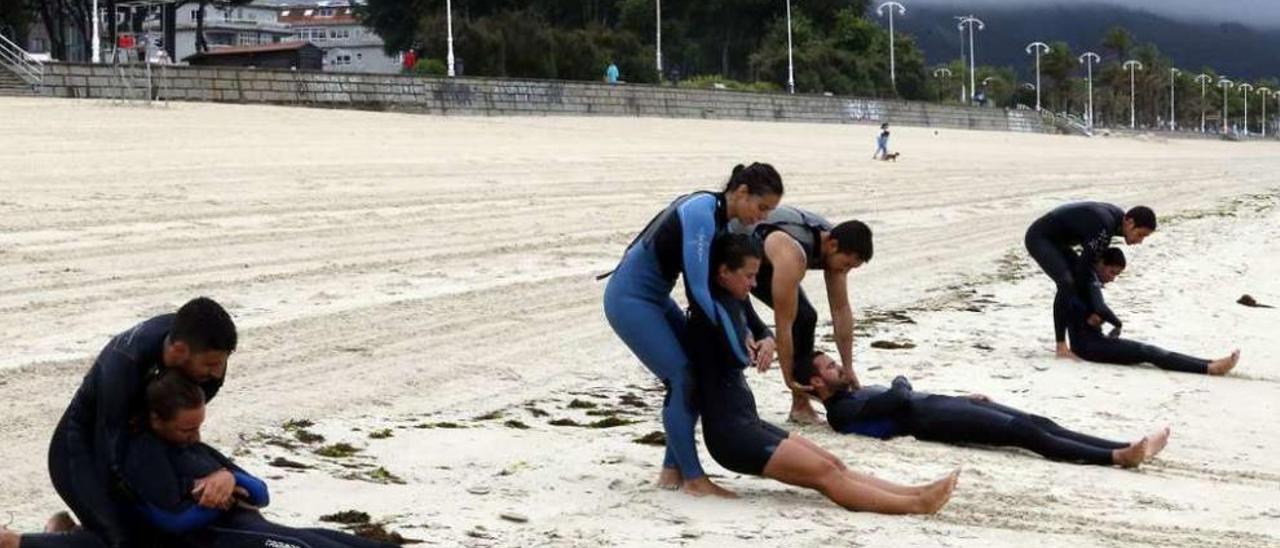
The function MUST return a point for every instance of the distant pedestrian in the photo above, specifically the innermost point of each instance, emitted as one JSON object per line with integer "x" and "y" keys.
{"x": 882, "y": 142}
{"x": 611, "y": 73}
{"x": 410, "y": 60}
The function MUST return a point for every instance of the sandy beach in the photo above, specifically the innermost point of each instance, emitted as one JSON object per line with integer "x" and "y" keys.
{"x": 422, "y": 288}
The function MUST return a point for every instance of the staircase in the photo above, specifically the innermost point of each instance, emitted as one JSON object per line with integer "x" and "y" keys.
{"x": 20, "y": 74}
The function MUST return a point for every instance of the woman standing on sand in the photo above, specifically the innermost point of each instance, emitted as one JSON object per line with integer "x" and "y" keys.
{"x": 639, "y": 307}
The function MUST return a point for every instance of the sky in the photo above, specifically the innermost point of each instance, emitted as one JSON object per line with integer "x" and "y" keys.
{"x": 1254, "y": 13}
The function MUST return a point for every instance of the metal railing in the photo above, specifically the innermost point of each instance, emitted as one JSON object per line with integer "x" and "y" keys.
{"x": 28, "y": 68}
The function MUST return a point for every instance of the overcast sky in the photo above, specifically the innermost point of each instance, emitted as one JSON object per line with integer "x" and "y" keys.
{"x": 1255, "y": 13}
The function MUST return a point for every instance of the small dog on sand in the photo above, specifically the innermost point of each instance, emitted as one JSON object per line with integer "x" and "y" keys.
{"x": 891, "y": 156}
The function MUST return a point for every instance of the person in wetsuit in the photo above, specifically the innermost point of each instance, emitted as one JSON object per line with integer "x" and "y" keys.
{"x": 796, "y": 241}
{"x": 1089, "y": 311}
{"x": 735, "y": 435}
{"x": 89, "y": 442}
{"x": 898, "y": 410}
{"x": 1051, "y": 240}
{"x": 165, "y": 463}
{"x": 639, "y": 307}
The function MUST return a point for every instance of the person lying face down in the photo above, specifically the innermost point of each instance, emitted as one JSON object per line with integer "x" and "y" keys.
{"x": 165, "y": 463}
{"x": 899, "y": 410}
{"x": 1088, "y": 311}
{"x": 720, "y": 348}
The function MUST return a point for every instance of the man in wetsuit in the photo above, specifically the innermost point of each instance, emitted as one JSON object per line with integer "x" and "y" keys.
{"x": 796, "y": 241}
{"x": 1090, "y": 225}
{"x": 88, "y": 444}
{"x": 885, "y": 413}
{"x": 1089, "y": 311}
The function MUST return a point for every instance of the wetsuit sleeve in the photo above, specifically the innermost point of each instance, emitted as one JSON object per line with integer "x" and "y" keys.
{"x": 192, "y": 518}
{"x": 259, "y": 495}
{"x": 159, "y": 491}
{"x": 698, "y": 230}
{"x": 117, "y": 386}
{"x": 890, "y": 402}
{"x": 1095, "y": 302}
{"x": 759, "y": 330}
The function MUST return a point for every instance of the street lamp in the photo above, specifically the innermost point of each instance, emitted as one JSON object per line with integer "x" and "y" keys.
{"x": 1245, "y": 88}
{"x": 893, "y": 76}
{"x": 97, "y": 40}
{"x": 791, "y": 67}
{"x": 942, "y": 73}
{"x": 1264, "y": 90}
{"x": 970, "y": 20}
{"x": 1225, "y": 83}
{"x": 1133, "y": 116}
{"x": 1089, "y": 58}
{"x": 960, "y": 27}
{"x": 1039, "y": 47}
{"x": 1203, "y": 79}
{"x": 448, "y": 8}
{"x": 658, "y": 39}
{"x": 1173, "y": 76}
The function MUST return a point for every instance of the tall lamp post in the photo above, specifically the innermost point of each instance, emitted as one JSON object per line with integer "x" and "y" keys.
{"x": 448, "y": 8}
{"x": 1245, "y": 88}
{"x": 791, "y": 67}
{"x": 942, "y": 73}
{"x": 960, "y": 27}
{"x": 1039, "y": 47}
{"x": 1203, "y": 79}
{"x": 657, "y": 60}
{"x": 970, "y": 21}
{"x": 1265, "y": 92}
{"x": 893, "y": 75}
{"x": 1225, "y": 83}
{"x": 1133, "y": 115}
{"x": 1089, "y": 58}
{"x": 1173, "y": 78}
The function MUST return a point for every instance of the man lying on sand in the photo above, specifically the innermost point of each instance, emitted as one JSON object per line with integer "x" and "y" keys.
{"x": 885, "y": 413}
{"x": 1089, "y": 311}
{"x": 735, "y": 435}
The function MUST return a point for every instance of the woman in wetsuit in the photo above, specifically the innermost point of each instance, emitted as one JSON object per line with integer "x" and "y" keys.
{"x": 639, "y": 307}
{"x": 1089, "y": 311}
{"x": 735, "y": 435}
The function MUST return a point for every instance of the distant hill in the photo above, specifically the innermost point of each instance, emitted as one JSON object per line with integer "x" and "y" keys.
{"x": 1232, "y": 49}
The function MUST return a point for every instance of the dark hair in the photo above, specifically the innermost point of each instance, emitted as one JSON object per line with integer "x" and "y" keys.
{"x": 170, "y": 391}
{"x": 732, "y": 250}
{"x": 760, "y": 179}
{"x": 1143, "y": 217}
{"x": 1112, "y": 256}
{"x": 854, "y": 237}
{"x": 204, "y": 325}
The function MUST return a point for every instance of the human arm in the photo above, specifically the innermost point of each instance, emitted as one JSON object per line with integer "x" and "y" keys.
{"x": 698, "y": 230}
{"x": 842, "y": 322}
{"x": 763, "y": 346}
{"x": 788, "y": 269}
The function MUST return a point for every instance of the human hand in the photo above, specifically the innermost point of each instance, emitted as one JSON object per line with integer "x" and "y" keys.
{"x": 215, "y": 490}
{"x": 1095, "y": 320}
{"x": 762, "y": 353}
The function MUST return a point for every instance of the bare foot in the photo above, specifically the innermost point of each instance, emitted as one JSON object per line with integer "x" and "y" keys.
{"x": 670, "y": 479}
{"x": 9, "y": 539}
{"x": 1132, "y": 456}
{"x": 1064, "y": 352}
{"x": 703, "y": 486}
{"x": 802, "y": 412}
{"x": 939, "y": 492}
{"x": 1156, "y": 442}
{"x": 1224, "y": 365}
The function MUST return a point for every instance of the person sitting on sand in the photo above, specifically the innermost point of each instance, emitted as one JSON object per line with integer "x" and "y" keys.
{"x": 885, "y": 413}
{"x": 1089, "y": 311}
{"x": 736, "y": 437}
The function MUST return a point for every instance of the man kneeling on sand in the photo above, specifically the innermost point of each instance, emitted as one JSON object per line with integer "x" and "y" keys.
{"x": 898, "y": 410}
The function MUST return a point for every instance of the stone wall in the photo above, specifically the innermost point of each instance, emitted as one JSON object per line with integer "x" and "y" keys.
{"x": 493, "y": 97}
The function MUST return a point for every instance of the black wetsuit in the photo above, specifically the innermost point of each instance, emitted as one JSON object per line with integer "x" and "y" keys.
{"x": 162, "y": 476}
{"x": 1051, "y": 239}
{"x": 805, "y": 228}
{"x": 735, "y": 435}
{"x": 897, "y": 411}
{"x": 89, "y": 442}
{"x": 1089, "y": 343}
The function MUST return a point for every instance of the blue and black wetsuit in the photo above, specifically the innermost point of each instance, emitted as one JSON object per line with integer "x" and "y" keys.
{"x": 1051, "y": 241}
{"x": 806, "y": 228}
{"x": 885, "y": 413}
{"x": 1089, "y": 343}
{"x": 89, "y": 442}
{"x": 639, "y": 307}
{"x": 736, "y": 436}
{"x": 162, "y": 476}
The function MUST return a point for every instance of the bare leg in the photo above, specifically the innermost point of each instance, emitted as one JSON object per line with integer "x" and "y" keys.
{"x": 1132, "y": 456}
{"x": 60, "y": 522}
{"x": 802, "y": 410}
{"x": 1064, "y": 352}
{"x": 703, "y": 486}
{"x": 1156, "y": 442}
{"x": 670, "y": 478}
{"x": 797, "y": 464}
{"x": 883, "y": 485}
{"x": 9, "y": 539}
{"x": 1224, "y": 365}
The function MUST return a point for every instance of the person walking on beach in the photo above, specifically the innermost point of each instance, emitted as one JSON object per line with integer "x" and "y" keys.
{"x": 611, "y": 73}
{"x": 882, "y": 143}
{"x": 1091, "y": 225}
{"x": 796, "y": 241}
{"x": 639, "y": 307}
{"x": 85, "y": 455}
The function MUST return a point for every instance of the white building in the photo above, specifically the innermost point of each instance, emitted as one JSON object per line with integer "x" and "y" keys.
{"x": 250, "y": 25}
{"x": 348, "y": 46}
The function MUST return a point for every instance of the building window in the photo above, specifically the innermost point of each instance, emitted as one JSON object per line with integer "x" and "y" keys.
{"x": 284, "y": 13}
{"x": 39, "y": 45}
{"x": 195, "y": 14}
{"x": 326, "y": 12}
